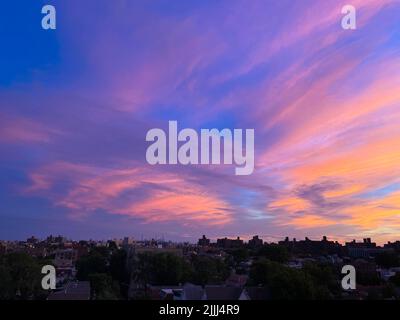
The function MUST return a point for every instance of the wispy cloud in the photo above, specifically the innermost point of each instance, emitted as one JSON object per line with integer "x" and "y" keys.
{"x": 324, "y": 103}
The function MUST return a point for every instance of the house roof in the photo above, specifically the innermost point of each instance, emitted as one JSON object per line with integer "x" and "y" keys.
{"x": 222, "y": 293}
{"x": 258, "y": 293}
{"x": 193, "y": 292}
{"x": 76, "y": 290}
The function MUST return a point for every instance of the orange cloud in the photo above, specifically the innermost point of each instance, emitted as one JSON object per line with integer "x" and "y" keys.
{"x": 191, "y": 207}
{"x": 171, "y": 198}
{"x": 311, "y": 221}
{"x": 374, "y": 214}
{"x": 292, "y": 204}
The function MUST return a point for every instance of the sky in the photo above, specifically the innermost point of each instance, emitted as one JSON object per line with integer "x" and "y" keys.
{"x": 76, "y": 104}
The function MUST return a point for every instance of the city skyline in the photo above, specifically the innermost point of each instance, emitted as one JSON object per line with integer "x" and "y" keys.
{"x": 76, "y": 104}
{"x": 212, "y": 240}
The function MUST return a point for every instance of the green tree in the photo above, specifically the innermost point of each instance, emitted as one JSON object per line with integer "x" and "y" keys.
{"x": 325, "y": 280}
{"x": 389, "y": 291}
{"x": 161, "y": 269}
{"x": 112, "y": 246}
{"x": 387, "y": 259}
{"x": 395, "y": 279}
{"x": 274, "y": 252}
{"x": 25, "y": 274}
{"x": 286, "y": 283}
{"x": 7, "y": 288}
{"x": 208, "y": 270}
{"x": 290, "y": 284}
{"x": 239, "y": 255}
{"x": 118, "y": 270}
{"x": 94, "y": 262}
{"x": 103, "y": 287}
{"x": 262, "y": 271}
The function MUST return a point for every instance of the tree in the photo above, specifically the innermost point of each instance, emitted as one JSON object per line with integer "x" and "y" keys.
{"x": 274, "y": 252}
{"x": 387, "y": 259}
{"x": 326, "y": 283}
{"x": 112, "y": 246}
{"x": 366, "y": 278}
{"x": 289, "y": 284}
{"x": 389, "y": 291}
{"x": 395, "y": 279}
{"x": 239, "y": 255}
{"x": 21, "y": 276}
{"x": 94, "y": 262}
{"x": 118, "y": 270}
{"x": 207, "y": 270}
{"x": 103, "y": 287}
{"x": 7, "y": 288}
{"x": 118, "y": 265}
{"x": 161, "y": 269}
{"x": 262, "y": 271}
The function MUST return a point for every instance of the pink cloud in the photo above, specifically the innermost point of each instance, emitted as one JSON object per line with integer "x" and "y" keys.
{"x": 90, "y": 188}
{"x": 17, "y": 129}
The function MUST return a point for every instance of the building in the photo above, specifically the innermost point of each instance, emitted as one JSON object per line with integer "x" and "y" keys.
{"x": 164, "y": 292}
{"x": 255, "y": 242}
{"x": 309, "y": 246}
{"x": 74, "y": 290}
{"x": 221, "y": 293}
{"x": 364, "y": 249}
{"x": 393, "y": 245}
{"x": 367, "y": 243}
{"x": 229, "y": 243}
{"x": 255, "y": 293}
{"x": 192, "y": 292}
{"x": 32, "y": 240}
{"x": 127, "y": 241}
{"x": 172, "y": 250}
{"x": 58, "y": 240}
{"x": 203, "y": 241}
{"x": 65, "y": 258}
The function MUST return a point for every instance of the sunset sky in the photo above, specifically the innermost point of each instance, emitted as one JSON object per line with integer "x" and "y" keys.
{"x": 76, "y": 104}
